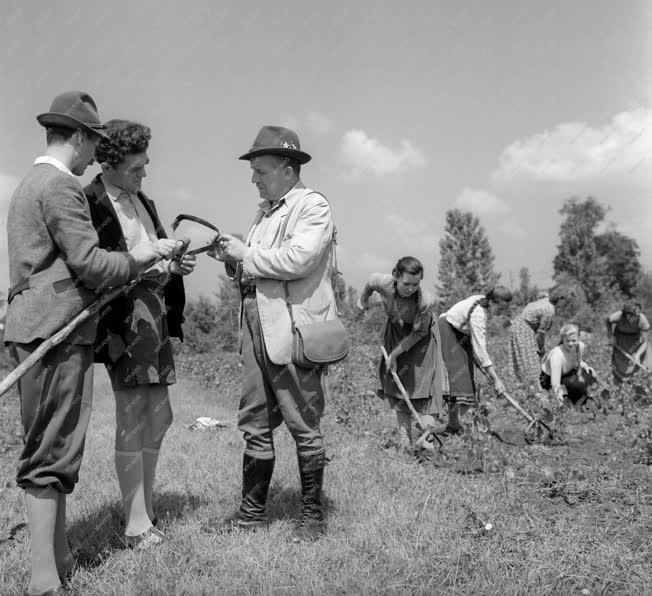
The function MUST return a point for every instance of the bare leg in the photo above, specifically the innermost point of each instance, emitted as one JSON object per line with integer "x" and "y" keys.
{"x": 404, "y": 422}
{"x": 42, "y": 516}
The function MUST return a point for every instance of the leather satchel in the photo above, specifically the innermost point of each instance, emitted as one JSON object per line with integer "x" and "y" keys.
{"x": 322, "y": 343}
{"x": 319, "y": 344}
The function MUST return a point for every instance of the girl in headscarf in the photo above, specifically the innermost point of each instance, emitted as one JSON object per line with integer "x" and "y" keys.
{"x": 410, "y": 340}
{"x": 628, "y": 330}
{"x": 527, "y": 338}
{"x": 564, "y": 372}
{"x": 463, "y": 340}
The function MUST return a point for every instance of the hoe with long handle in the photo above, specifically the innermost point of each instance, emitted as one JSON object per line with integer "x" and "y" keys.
{"x": 536, "y": 423}
{"x": 428, "y": 434}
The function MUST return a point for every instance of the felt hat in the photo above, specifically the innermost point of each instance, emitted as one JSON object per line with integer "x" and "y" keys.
{"x": 276, "y": 140}
{"x": 73, "y": 109}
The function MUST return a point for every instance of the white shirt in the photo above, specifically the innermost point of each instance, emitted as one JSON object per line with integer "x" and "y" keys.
{"x": 135, "y": 221}
{"x": 53, "y": 161}
{"x": 477, "y": 327}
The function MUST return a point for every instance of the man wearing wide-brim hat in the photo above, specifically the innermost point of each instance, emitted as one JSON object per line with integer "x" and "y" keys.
{"x": 290, "y": 245}
{"x": 56, "y": 267}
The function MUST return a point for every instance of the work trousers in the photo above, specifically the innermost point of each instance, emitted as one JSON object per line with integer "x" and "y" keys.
{"x": 273, "y": 393}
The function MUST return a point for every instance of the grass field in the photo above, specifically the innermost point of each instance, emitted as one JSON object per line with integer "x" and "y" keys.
{"x": 492, "y": 519}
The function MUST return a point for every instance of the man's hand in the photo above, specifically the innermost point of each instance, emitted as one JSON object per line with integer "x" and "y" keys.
{"x": 185, "y": 266}
{"x": 499, "y": 387}
{"x": 147, "y": 252}
{"x": 231, "y": 248}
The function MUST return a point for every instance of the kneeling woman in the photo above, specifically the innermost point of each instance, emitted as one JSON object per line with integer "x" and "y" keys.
{"x": 410, "y": 341}
{"x": 563, "y": 370}
{"x": 463, "y": 329}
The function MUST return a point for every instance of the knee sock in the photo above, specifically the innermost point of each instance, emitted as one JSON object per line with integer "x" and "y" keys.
{"x": 129, "y": 469}
{"x": 63, "y": 556}
{"x": 150, "y": 459}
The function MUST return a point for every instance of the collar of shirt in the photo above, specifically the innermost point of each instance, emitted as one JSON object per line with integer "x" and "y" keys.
{"x": 289, "y": 198}
{"x": 114, "y": 192}
{"x": 53, "y": 161}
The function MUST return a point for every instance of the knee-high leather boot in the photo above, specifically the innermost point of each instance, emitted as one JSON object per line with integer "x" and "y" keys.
{"x": 256, "y": 478}
{"x": 312, "y": 524}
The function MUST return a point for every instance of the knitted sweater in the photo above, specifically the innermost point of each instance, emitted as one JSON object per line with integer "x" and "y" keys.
{"x": 52, "y": 242}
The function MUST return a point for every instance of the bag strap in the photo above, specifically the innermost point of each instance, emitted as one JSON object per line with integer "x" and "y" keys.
{"x": 16, "y": 289}
{"x": 288, "y": 304}
{"x": 333, "y": 252}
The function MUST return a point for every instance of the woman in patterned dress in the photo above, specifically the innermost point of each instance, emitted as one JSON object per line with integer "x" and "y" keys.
{"x": 463, "y": 341}
{"x": 528, "y": 339}
{"x": 628, "y": 330}
{"x": 410, "y": 340}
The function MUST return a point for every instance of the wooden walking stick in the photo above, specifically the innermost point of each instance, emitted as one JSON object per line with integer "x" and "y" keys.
{"x": 428, "y": 434}
{"x": 85, "y": 314}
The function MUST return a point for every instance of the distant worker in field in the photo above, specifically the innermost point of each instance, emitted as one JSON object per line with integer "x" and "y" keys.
{"x": 628, "y": 330}
{"x": 133, "y": 335}
{"x": 564, "y": 372}
{"x": 527, "y": 339}
{"x": 284, "y": 271}
{"x": 463, "y": 341}
{"x": 410, "y": 340}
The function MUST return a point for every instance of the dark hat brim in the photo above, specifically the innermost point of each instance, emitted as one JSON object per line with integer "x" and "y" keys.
{"x": 301, "y": 156}
{"x": 65, "y": 121}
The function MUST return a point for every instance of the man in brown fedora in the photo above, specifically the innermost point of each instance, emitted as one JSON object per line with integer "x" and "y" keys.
{"x": 289, "y": 248}
{"x": 56, "y": 268}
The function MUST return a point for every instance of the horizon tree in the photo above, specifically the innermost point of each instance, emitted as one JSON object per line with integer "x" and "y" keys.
{"x": 466, "y": 265}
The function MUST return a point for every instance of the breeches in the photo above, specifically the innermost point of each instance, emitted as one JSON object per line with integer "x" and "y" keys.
{"x": 272, "y": 394}
{"x": 55, "y": 403}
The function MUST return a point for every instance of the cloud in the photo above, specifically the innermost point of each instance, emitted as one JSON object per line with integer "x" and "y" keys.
{"x": 575, "y": 151}
{"x": 481, "y": 202}
{"x": 314, "y": 122}
{"x": 362, "y": 155}
{"x": 511, "y": 228}
{"x": 417, "y": 234}
{"x": 8, "y": 184}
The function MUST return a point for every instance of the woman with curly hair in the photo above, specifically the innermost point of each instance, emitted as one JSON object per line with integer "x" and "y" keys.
{"x": 627, "y": 330}
{"x": 133, "y": 336}
{"x": 463, "y": 329}
{"x": 410, "y": 342}
{"x": 527, "y": 338}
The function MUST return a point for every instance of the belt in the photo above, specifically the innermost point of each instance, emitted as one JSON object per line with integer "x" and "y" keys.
{"x": 248, "y": 287}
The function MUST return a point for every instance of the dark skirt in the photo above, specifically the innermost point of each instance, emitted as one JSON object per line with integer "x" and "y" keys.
{"x": 55, "y": 404}
{"x": 457, "y": 353}
{"x": 622, "y": 367}
{"x": 419, "y": 370}
{"x": 576, "y": 386}
{"x": 148, "y": 355}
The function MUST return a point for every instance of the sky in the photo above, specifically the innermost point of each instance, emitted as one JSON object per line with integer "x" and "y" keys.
{"x": 504, "y": 108}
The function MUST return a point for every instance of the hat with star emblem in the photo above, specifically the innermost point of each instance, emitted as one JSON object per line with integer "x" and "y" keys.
{"x": 276, "y": 140}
